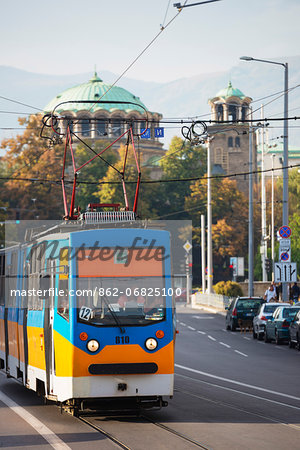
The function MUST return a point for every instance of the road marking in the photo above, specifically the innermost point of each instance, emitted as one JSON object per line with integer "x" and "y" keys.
{"x": 210, "y": 337}
{"x": 183, "y": 324}
{"x": 35, "y": 423}
{"x": 225, "y": 345}
{"x": 240, "y": 392}
{"x": 239, "y": 383}
{"x": 248, "y": 339}
{"x": 201, "y": 332}
{"x": 240, "y": 353}
{"x": 191, "y": 328}
{"x": 204, "y": 318}
{"x": 223, "y": 329}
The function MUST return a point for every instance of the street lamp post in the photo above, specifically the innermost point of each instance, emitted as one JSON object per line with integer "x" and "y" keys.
{"x": 209, "y": 222}
{"x": 272, "y": 218}
{"x": 250, "y": 221}
{"x": 285, "y": 194}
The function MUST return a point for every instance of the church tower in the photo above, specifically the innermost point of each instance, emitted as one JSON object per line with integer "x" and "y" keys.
{"x": 230, "y": 146}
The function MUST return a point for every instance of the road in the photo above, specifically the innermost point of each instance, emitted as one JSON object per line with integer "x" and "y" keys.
{"x": 231, "y": 392}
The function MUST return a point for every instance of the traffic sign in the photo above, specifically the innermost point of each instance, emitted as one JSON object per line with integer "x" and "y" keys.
{"x": 145, "y": 134}
{"x": 285, "y": 243}
{"x": 285, "y": 256}
{"x": 159, "y": 132}
{"x": 285, "y": 272}
{"x": 187, "y": 246}
{"x": 285, "y": 232}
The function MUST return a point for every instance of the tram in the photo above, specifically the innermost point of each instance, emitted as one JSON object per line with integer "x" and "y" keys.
{"x": 88, "y": 314}
{"x": 87, "y": 308}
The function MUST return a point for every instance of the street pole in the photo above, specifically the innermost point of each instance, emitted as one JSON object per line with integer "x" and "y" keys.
{"x": 272, "y": 218}
{"x": 203, "y": 252}
{"x": 209, "y": 223}
{"x": 263, "y": 204}
{"x": 250, "y": 222}
{"x": 285, "y": 193}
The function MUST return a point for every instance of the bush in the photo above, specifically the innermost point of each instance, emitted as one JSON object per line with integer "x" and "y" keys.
{"x": 230, "y": 289}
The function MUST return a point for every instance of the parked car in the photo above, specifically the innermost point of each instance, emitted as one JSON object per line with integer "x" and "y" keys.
{"x": 277, "y": 327}
{"x": 265, "y": 313}
{"x": 242, "y": 309}
{"x": 181, "y": 297}
{"x": 294, "y": 331}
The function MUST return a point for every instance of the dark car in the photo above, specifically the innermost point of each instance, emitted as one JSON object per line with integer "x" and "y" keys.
{"x": 242, "y": 310}
{"x": 265, "y": 313}
{"x": 277, "y": 328}
{"x": 294, "y": 331}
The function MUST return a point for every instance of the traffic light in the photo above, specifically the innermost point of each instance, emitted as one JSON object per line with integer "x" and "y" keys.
{"x": 268, "y": 265}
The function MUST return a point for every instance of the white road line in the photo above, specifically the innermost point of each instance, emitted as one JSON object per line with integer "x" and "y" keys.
{"x": 239, "y": 383}
{"x": 223, "y": 329}
{"x": 240, "y": 392}
{"x": 210, "y": 337}
{"x": 225, "y": 345}
{"x": 35, "y": 423}
{"x": 201, "y": 332}
{"x": 240, "y": 353}
{"x": 248, "y": 339}
{"x": 183, "y": 324}
{"x": 191, "y": 328}
{"x": 204, "y": 318}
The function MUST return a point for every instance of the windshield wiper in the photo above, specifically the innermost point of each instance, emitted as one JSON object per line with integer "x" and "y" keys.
{"x": 114, "y": 315}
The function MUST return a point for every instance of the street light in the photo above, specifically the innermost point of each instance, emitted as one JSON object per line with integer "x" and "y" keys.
{"x": 285, "y": 198}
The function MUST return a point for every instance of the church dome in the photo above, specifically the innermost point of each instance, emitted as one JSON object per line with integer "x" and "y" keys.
{"x": 93, "y": 90}
{"x": 229, "y": 91}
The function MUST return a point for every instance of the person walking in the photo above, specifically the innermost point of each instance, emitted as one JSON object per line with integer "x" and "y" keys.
{"x": 295, "y": 290}
{"x": 270, "y": 294}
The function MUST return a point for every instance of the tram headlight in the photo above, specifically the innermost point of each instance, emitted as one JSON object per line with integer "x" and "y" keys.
{"x": 151, "y": 344}
{"x": 93, "y": 345}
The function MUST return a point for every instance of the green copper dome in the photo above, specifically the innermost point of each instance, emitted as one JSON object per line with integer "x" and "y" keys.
{"x": 230, "y": 92}
{"x": 93, "y": 90}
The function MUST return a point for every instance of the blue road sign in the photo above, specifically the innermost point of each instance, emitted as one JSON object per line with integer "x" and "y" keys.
{"x": 285, "y": 231}
{"x": 284, "y": 256}
{"x": 145, "y": 135}
{"x": 159, "y": 132}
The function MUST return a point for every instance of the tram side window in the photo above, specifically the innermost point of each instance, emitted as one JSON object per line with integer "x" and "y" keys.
{"x": 11, "y": 285}
{"x": 2, "y": 279}
{"x": 35, "y": 302}
{"x": 63, "y": 284}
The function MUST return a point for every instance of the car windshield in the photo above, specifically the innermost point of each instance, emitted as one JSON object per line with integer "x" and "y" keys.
{"x": 270, "y": 308}
{"x": 114, "y": 292}
{"x": 289, "y": 313}
{"x": 248, "y": 303}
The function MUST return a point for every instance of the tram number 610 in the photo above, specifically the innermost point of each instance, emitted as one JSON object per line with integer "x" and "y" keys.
{"x": 122, "y": 339}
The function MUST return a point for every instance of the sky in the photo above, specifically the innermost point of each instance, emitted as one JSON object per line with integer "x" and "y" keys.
{"x": 73, "y": 36}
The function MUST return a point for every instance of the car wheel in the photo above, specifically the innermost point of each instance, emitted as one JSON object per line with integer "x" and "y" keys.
{"x": 228, "y": 327}
{"x": 233, "y": 327}
{"x": 260, "y": 336}
{"x": 254, "y": 334}
{"x": 291, "y": 344}
{"x": 277, "y": 339}
{"x": 298, "y": 343}
{"x": 267, "y": 340}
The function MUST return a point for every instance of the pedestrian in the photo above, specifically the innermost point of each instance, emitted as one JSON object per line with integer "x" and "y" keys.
{"x": 279, "y": 292}
{"x": 270, "y": 294}
{"x": 295, "y": 292}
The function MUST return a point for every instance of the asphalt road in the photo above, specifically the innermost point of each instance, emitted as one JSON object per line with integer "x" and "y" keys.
{"x": 231, "y": 392}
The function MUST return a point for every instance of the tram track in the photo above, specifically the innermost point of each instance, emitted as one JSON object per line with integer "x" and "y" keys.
{"x": 90, "y": 420}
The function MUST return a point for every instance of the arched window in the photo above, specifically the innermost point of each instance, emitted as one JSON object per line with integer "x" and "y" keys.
{"x": 220, "y": 112}
{"x": 244, "y": 111}
{"x": 116, "y": 127}
{"x": 237, "y": 141}
{"x": 85, "y": 127}
{"x": 232, "y": 112}
{"x": 230, "y": 141}
{"x": 100, "y": 127}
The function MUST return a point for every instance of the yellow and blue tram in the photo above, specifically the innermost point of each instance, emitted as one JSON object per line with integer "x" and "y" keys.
{"x": 87, "y": 313}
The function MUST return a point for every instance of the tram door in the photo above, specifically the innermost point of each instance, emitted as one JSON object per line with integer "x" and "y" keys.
{"x": 48, "y": 327}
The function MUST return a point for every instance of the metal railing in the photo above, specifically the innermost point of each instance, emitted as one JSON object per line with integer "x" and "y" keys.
{"x": 108, "y": 217}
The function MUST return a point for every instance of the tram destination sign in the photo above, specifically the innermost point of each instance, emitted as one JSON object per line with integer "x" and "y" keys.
{"x": 285, "y": 272}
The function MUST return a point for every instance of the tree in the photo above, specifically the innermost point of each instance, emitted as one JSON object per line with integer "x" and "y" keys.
{"x": 182, "y": 160}
{"x": 111, "y": 190}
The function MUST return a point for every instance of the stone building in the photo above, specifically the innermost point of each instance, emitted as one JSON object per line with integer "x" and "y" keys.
{"x": 107, "y": 121}
{"x": 230, "y": 146}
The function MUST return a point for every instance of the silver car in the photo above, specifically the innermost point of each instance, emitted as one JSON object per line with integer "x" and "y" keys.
{"x": 265, "y": 313}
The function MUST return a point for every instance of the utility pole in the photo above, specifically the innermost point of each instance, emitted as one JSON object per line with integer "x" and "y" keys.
{"x": 209, "y": 223}
{"x": 263, "y": 248}
{"x": 250, "y": 221}
{"x": 203, "y": 252}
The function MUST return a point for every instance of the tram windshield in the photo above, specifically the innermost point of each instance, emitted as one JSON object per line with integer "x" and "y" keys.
{"x": 118, "y": 292}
